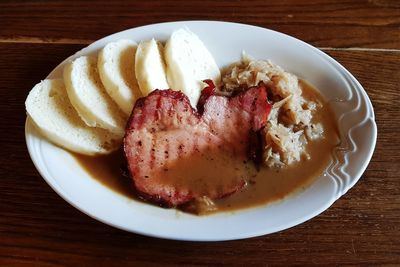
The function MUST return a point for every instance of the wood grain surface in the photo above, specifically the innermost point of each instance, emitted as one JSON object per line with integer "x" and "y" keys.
{"x": 38, "y": 228}
{"x": 323, "y": 23}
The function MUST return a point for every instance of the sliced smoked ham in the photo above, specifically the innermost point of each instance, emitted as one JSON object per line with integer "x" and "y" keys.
{"x": 168, "y": 145}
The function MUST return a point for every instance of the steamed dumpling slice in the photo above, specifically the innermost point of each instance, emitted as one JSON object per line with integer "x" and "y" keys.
{"x": 150, "y": 67}
{"x": 48, "y": 106}
{"x": 89, "y": 97}
{"x": 116, "y": 64}
{"x": 189, "y": 63}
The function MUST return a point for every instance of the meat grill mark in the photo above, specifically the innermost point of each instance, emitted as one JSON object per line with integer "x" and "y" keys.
{"x": 138, "y": 119}
{"x": 158, "y": 104}
{"x": 152, "y": 156}
{"x": 166, "y": 152}
{"x": 165, "y": 121}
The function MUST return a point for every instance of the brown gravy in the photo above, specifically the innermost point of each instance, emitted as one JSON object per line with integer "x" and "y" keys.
{"x": 108, "y": 170}
{"x": 206, "y": 171}
{"x": 266, "y": 185}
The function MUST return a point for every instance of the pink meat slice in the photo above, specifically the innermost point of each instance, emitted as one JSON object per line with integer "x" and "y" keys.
{"x": 165, "y": 132}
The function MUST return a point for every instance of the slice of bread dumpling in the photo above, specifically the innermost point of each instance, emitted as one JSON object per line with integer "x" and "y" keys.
{"x": 48, "y": 106}
{"x": 116, "y": 65}
{"x": 150, "y": 67}
{"x": 189, "y": 63}
{"x": 88, "y": 96}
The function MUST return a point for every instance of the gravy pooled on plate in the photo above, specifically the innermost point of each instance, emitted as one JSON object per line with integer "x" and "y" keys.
{"x": 263, "y": 186}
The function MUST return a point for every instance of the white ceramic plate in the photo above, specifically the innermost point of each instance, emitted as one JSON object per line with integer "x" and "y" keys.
{"x": 226, "y": 41}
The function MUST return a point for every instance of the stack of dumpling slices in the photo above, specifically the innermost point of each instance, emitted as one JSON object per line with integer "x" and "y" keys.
{"x": 86, "y": 111}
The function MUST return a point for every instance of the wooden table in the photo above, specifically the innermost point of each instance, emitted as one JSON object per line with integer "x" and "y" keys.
{"x": 39, "y": 228}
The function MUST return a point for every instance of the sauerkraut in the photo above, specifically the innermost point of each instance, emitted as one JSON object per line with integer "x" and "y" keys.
{"x": 290, "y": 124}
